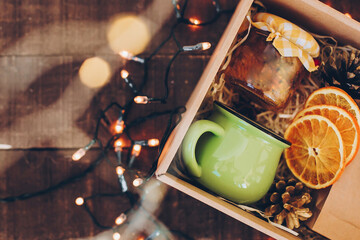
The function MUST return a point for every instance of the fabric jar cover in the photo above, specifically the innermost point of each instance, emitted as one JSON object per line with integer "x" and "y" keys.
{"x": 289, "y": 39}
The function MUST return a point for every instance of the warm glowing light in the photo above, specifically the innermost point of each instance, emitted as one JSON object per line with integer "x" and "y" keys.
{"x": 78, "y": 154}
{"x": 137, "y": 182}
{"x": 94, "y": 72}
{"x": 116, "y": 236}
{"x": 124, "y": 73}
{"x": 141, "y": 99}
{"x": 205, "y": 45}
{"x": 194, "y": 21}
{"x": 120, "y": 219}
{"x": 120, "y": 170}
{"x": 197, "y": 47}
{"x": 119, "y": 126}
{"x": 153, "y": 142}
{"x": 136, "y": 150}
{"x": 129, "y": 56}
{"x": 128, "y": 33}
{"x": 126, "y": 55}
{"x": 118, "y": 143}
{"x": 348, "y": 15}
{"x": 82, "y": 151}
{"x": 177, "y": 9}
{"x": 5, "y": 146}
{"x": 79, "y": 201}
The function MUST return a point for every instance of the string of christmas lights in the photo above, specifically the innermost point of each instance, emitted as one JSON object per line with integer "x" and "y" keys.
{"x": 122, "y": 127}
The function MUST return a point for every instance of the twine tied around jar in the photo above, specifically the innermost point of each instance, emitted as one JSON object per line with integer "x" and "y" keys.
{"x": 289, "y": 39}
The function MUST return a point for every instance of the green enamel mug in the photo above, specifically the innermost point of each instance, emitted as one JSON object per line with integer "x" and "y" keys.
{"x": 232, "y": 155}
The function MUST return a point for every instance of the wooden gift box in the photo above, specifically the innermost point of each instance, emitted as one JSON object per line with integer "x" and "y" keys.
{"x": 311, "y": 15}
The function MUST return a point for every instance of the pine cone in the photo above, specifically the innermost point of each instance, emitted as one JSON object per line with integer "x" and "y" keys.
{"x": 341, "y": 68}
{"x": 286, "y": 201}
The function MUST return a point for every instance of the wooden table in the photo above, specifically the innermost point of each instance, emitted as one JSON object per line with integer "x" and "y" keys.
{"x": 47, "y": 113}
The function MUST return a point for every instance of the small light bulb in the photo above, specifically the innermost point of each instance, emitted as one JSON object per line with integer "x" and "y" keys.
{"x": 82, "y": 151}
{"x": 197, "y": 47}
{"x": 348, "y": 15}
{"x": 129, "y": 56}
{"x": 119, "y": 126}
{"x": 120, "y": 219}
{"x": 153, "y": 142}
{"x": 217, "y": 5}
{"x": 78, "y": 154}
{"x": 119, "y": 170}
{"x": 118, "y": 145}
{"x": 177, "y": 9}
{"x": 141, "y": 99}
{"x": 124, "y": 74}
{"x": 116, "y": 236}
{"x": 194, "y": 21}
{"x": 137, "y": 182}
{"x": 126, "y": 55}
{"x": 136, "y": 150}
{"x": 5, "y": 146}
{"x": 79, "y": 201}
{"x": 205, "y": 45}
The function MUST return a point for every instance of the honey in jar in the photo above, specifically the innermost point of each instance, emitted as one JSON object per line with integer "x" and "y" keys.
{"x": 260, "y": 71}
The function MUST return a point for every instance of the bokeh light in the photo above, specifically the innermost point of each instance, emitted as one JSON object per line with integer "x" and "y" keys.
{"x": 95, "y": 72}
{"x": 79, "y": 201}
{"x": 116, "y": 236}
{"x": 128, "y": 33}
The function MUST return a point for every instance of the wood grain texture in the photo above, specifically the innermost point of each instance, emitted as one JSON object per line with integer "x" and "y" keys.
{"x": 47, "y": 106}
{"x": 46, "y": 113}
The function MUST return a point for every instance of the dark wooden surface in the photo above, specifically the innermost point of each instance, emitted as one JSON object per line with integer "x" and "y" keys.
{"x": 46, "y": 113}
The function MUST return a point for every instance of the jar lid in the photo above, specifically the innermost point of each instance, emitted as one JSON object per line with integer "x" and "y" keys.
{"x": 289, "y": 39}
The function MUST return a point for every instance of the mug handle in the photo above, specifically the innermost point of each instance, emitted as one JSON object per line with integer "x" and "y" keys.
{"x": 189, "y": 143}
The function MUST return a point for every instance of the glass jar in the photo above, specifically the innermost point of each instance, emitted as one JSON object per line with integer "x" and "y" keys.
{"x": 257, "y": 70}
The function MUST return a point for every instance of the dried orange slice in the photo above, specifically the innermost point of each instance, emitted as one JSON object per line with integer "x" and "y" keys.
{"x": 345, "y": 123}
{"x": 316, "y": 156}
{"x": 334, "y": 96}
